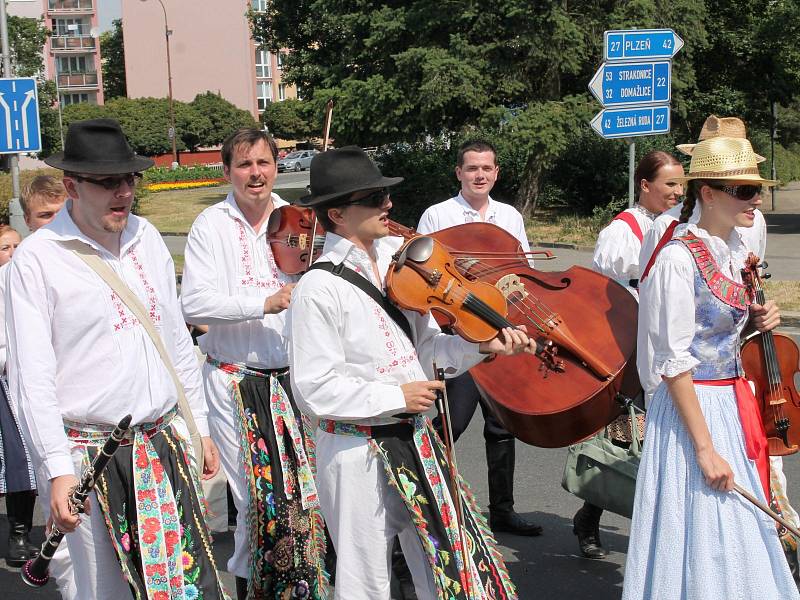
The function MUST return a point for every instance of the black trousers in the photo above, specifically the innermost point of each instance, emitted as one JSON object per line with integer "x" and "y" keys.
{"x": 464, "y": 397}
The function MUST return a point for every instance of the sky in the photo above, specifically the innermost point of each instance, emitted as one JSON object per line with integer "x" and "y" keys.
{"x": 107, "y": 11}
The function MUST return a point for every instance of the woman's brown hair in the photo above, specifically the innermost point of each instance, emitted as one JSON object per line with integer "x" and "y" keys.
{"x": 649, "y": 165}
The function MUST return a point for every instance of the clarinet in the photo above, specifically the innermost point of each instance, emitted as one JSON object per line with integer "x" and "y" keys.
{"x": 35, "y": 571}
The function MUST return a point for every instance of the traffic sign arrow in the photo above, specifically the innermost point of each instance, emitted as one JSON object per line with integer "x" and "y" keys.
{"x": 19, "y": 116}
{"x": 640, "y": 44}
{"x": 631, "y": 122}
{"x": 616, "y": 84}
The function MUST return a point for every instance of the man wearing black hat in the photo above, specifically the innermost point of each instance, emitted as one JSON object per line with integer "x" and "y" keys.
{"x": 364, "y": 369}
{"x": 80, "y": 360}
{"x": 232, "y": 284}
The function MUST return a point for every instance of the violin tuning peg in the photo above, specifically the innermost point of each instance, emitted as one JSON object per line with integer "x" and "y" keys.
{"x": 763, "y": 265}
{"x": 766, "y": 276}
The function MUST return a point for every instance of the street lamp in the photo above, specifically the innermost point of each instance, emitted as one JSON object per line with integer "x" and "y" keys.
{"x": 167, "y": 33}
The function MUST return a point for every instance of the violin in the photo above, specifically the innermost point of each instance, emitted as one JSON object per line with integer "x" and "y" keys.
{"x": 770, "y": 361}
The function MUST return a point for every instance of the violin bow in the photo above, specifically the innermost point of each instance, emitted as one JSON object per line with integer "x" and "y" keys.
{"x": 767, "y": 510}
{"x": 447, "y": 430}
{"x": 326, "y": 130}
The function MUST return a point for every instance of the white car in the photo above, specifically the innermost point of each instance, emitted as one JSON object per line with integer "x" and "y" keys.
{"x": 299, "y": 160}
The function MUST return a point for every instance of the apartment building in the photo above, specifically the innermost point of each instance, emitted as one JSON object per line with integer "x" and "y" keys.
{"x": 72, "y": 53}
{"x": 210, "y": 50}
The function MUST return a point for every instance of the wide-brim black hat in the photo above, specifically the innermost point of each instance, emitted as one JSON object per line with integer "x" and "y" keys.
{"x": 97, "y": 147}
{"x": 340, "y": 172}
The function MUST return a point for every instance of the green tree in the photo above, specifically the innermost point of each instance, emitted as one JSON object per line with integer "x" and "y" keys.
{"x": 223, "y": 117}
{"x": 112, "y": 50}
{"x": 291, "y": 119}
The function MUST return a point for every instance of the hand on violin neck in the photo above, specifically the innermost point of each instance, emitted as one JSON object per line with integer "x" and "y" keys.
{"x": 420, "y": 395}
{"x": 279, "y": 301}
{"x": 765, "y": 317}
{"x": 509, "y": 341}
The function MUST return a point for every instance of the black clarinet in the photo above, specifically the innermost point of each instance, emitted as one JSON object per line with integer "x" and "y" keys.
{"x": 35, "y": 571}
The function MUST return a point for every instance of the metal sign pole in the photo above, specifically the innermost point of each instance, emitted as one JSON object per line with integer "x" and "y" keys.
{"x": 631, "y": 169}
{"x": 774, "y": 132}
{"x": 13, "y": 158}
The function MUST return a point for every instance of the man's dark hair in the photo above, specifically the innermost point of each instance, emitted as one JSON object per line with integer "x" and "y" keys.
{"x": 475, "y": 146}
{"x": 247, "y": 137}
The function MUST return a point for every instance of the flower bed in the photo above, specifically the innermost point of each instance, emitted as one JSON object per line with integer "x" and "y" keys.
{"x": 183, "y": 185}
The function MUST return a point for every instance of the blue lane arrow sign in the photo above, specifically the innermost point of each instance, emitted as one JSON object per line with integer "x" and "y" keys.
{"x": 640, "y": 44}
{"x": 616, "y": 84}
{"x": 19, "y": 116}
{"x": 630, "y": 122}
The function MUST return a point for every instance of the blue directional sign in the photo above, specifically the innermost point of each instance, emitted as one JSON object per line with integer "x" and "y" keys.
{"x": 640, "y": 44}
{"x": 619, "y": 84}
{"x": 19, "y": 116}
{"x": 630, "y": 122}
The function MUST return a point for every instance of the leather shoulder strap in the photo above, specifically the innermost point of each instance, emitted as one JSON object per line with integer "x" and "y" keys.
{"x": 89, "y": 256}
{"x": 370, "y": 290}
{"x": 632, "y": 223}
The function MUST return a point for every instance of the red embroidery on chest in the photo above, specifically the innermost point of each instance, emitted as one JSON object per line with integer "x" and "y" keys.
{"x": 126, "y": 319}
{"x": 248, "y": 276}
{"x": 394, "y": 361}
{"x": 724, "y": 288}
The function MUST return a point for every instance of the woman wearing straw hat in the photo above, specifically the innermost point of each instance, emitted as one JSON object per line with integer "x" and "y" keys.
{"x": 691, "y": 536}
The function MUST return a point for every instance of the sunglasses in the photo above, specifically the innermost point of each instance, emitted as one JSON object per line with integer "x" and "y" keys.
{"x": 740, "y": 192}
{"x": 374, "y": 200}
{"x": 113, "y": 182}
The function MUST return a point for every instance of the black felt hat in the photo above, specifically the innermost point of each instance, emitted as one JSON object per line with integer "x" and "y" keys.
{"x": 97, "y": 147}
{"x": 340, "y": 172}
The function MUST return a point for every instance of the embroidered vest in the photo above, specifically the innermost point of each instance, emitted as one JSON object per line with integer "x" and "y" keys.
{"x": 721, "y": 311}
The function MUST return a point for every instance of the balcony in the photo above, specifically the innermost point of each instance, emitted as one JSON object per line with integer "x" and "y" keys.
{"x": 73, "y": 81}
{"x": 73, "y": 43}
{"x": 70, "y": 7}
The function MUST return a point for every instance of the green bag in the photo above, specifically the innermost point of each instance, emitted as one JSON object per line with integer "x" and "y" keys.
{"x": 602, "y": 473}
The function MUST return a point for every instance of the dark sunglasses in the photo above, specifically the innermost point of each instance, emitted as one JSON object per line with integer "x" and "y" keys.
{"x": 374, "y": 200}
{"x": 113, "y": 182}
{"x": 740, "y": 192}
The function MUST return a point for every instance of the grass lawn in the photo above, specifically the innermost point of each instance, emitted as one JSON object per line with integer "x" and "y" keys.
{"x": 786, "y": 294}
{"x": 551, "y": 227}
{"x": 174, "y": 211}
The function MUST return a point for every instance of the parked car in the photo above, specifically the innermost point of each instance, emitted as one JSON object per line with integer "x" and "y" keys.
{"x": 299, "y": 160}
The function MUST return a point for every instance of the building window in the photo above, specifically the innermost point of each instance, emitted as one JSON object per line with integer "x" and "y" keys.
{"x": 259, "y": 5}
{"x": 71, "y": 64}
{"x": 67, "y": 99}
{"x": 263, "y": 58}
{"x": 282, "y": 91}
{"x": 70, "y": 27}
{"x": 281, "y": 58}
{"x": 264, "y": 94}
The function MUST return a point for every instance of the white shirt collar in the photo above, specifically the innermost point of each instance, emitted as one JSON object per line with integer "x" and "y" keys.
{"x": 491, "y": 209}
{"x": 230, "y": 206}
{"x": 63, "y": 228}
{"x": 650, "y": 215}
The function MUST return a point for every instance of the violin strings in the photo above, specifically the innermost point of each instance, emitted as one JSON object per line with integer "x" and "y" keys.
{"x": 771, "y": 364}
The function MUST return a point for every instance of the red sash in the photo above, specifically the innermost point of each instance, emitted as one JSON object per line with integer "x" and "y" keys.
{"x": 632, "y": 223}
{"x": 755, "y": 438}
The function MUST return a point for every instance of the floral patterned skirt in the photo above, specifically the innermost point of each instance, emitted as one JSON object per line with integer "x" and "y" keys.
{"x": 151, "y": 503}
{"x": 287, "y": 536}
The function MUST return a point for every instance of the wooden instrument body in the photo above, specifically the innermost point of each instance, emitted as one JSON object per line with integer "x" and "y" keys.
{"x": 597, "y": 316}
{"x": 754, "y": 363}
{"x": 289, "y": 233}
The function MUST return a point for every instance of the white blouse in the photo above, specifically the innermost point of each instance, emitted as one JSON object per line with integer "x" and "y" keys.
{"x": 616, "y": 253}
{"x": 228, "y": 273}
{"x": 755, "y": 237}
{"x": 76, "y": 352}
{"x": 667, "y": 304}
{"x": 348, "y": 357}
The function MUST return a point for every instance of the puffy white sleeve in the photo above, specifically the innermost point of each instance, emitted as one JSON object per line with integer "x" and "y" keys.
{"x": 666, "y": 318}
{"x": 616, "y": 254}
{"x": 452, "y": 353}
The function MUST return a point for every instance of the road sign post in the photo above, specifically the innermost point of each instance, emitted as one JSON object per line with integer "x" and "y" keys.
{"x": 634, "y": 85}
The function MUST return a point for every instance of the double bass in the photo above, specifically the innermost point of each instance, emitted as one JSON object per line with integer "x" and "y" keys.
{"x": 585, "y": 318}
{"x": 770, "y": 361}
